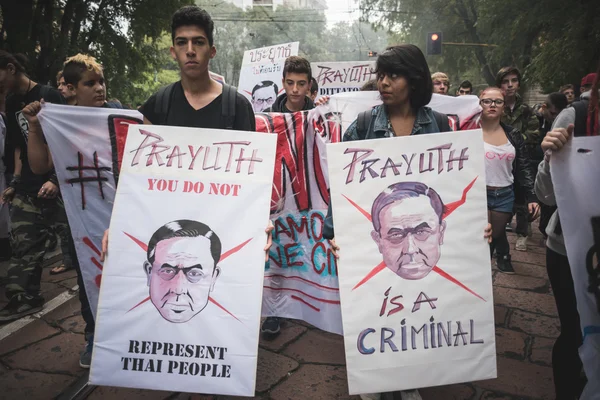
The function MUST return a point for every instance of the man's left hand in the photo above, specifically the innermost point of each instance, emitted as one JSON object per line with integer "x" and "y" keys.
{"x": 48, "y": 191}
{"x": 534, "y": 211}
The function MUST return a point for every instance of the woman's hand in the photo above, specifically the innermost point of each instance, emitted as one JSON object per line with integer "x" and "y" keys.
{"x": 335, "y": 249}
{"x": 104, "y": 246}
{"x": 487, "y": 233}
{"x": 268, "y": 231}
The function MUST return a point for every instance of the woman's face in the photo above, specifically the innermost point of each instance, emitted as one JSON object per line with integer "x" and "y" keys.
{"x": 7, "y": 79}
{"x": 393, "y": 89}
{"x": 492, "y": 103}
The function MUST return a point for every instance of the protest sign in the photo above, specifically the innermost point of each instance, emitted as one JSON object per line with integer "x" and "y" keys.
{"x": 575, "y": 171}
{"x": 180, "y": 300}
{"x": 262, "y": 73}
{"x": 86, "y": 144}
{"x": 414, "y": 268}
{"x": 340, "y": 77}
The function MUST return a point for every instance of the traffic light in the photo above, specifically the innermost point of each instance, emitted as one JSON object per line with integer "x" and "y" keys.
{"x": 434, "y": 43}
{"x": 372, "y": 54}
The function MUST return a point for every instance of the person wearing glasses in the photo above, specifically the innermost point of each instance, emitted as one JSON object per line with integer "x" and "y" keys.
{"x": 182, "y": 268}
{"x": 506, "y": 165}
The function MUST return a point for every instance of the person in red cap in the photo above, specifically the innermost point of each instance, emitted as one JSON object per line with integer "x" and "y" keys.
{"x": 587, "y": 82}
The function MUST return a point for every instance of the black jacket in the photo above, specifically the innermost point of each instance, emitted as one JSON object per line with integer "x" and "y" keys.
{"x": 523, "y": 169}
{"x": 279, "y": 105}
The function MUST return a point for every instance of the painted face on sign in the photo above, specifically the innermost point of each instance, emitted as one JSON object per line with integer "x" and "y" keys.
{"x": 410, "y": 237}
{"x": 181, "y": 277}
{"x": 263, "y": 98}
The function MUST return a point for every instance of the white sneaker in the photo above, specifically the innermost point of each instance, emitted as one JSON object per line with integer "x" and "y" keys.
{"x": 521, "y": 243}
{"x": 411, "y": 395}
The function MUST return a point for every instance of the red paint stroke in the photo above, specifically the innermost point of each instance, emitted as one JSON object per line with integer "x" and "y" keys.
{"x": 234, "y": 250}
{"x": 221, "y": 307}
{"x": 96, "y": 263}
{"x": 371, "y": 274}
{"x": 89, "y": 244}
{"x": 455, "y": 281}
{"x": 306, "y": 303}
{"x": 138, "y": 242}
{"x": 140, "y": 303}
{"x": 306, "y": 294}
{"x": 449, "y": 209}
{"x": 302, "y": 279}
{"x": 98, "y": 280}
{"x": 362, "y": 211}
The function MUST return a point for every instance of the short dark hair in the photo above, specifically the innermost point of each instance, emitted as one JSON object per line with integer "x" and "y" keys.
{"x": 466, "y": 85}
{"x": 265, "y": 84}
{"x": 193, "y": 15}
{"x": 404, "y": 190}
{"x": 19, "y": 61}
{"x": 408, "y": 60}
{"x": 298, "y": 65}
{"x": 369, "y": 86}
{"x": 184, "y": 228}
{"x": 507, "y": 71}
{"x": 566, "y": 87}
{"x": 558, "y": 100}
{"x": 314, "y": 86}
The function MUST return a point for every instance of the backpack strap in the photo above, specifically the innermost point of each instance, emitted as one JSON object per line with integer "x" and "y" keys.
{"x": 581, "y": 111}
{"x": 442, "y": 121}
{"x": 228, "y": 106}
{"x": 363, "y": 121}
{"x": 163, "y": 103}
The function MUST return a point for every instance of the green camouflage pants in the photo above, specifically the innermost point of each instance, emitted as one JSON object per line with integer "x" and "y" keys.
{"x": 35, "y": 223}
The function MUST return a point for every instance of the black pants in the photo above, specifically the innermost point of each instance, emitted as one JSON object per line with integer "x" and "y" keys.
{"x": 86, "y": 311}
{"x": 522, "y": 212}
{"x": 566, "y": 364}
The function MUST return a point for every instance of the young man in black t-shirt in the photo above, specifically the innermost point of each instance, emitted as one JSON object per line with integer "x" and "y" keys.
{"x": 37, "y": 213}
{"x": 196, "y": 100}
{"x": 85, "y": 78}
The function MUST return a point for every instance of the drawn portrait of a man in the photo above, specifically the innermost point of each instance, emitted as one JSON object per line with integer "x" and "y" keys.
{"x": 408, "y": 228}
{"x": 264, "y": 95}
{"x": 182, "y": 268}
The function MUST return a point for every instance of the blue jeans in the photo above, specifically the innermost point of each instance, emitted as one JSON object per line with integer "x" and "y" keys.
{"x": 501, "y": 200}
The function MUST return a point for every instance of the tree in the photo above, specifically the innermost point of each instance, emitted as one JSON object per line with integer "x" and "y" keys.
{"x": 120, "y": 33}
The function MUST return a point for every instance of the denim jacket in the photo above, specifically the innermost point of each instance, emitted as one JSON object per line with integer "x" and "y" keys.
{"x": 380, "y": 127}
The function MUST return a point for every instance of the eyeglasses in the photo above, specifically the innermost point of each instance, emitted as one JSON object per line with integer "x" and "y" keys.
{"x": 488, "y": 102}
{"x": 192, "y": 274}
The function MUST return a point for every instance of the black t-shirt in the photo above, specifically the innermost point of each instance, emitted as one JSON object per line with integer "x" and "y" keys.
{"x": 181, "y": 113}
{"x": 17, "y": 128}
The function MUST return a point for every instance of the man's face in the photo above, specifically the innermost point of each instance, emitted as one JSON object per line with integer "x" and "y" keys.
{"x": 297, "y": 87}
{"x": 192, "y": 51}
{"x": 410, "y": 237}
{"x": 463, "y": 91}
{"x": 510, "y": 85}
{"x": 63, "y": 88}
{"x": 570, "y": 94}
{"x": 181, "y": 278}
{"x": 90, "y": 90}
{"x": 440, "y": 86}
{"x": 549, "y": 112}
{"x": 263, "y": 98}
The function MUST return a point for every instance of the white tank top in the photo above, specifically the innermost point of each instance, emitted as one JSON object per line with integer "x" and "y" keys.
{"x": 498, "y": 164}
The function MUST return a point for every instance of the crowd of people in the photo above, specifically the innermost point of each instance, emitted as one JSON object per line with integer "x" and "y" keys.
{"x": 519, "y": 140}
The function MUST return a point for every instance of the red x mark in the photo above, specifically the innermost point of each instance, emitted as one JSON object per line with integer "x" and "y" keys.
{"x": 237, "y": 248}
{"x": 450, "y": 208}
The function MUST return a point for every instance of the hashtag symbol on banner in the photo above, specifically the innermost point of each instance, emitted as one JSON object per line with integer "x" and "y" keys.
{"x": 81, "y": 179}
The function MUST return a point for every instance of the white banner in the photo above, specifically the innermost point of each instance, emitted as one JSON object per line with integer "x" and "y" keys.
{"x": 575, "y": 174}
{"x": 414, "y": 269}
{"x": 181, "y": 291}
{"x": 340, "y": 77}
{"x": 262, "y": 73}
{"x": 86, "y": 145}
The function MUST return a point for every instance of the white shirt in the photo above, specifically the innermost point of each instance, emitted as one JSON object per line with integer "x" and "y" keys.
{"x": 498, "y": 164}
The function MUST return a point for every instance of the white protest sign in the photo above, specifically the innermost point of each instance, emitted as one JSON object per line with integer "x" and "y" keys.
{"x": 180, "y": 300}
{"x": 414, "y": 269}
{"x": 340, "y": 77}
{"x": 262, "y": 73}
{"x": 575, "y": 171}
{"x": 86, "y": 145}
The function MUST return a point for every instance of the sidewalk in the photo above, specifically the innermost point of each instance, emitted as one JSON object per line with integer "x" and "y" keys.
{"x": 41, "y": 360}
